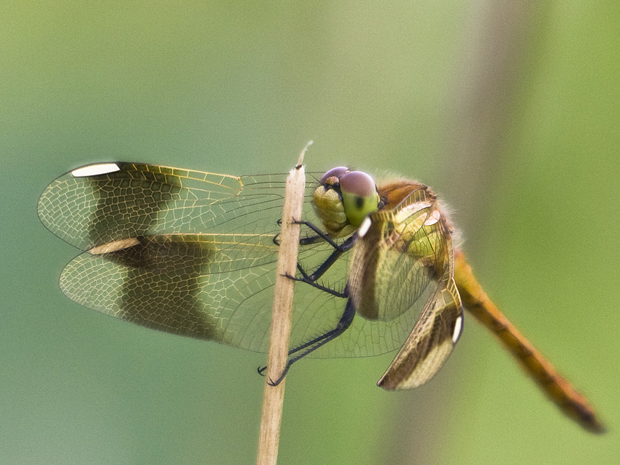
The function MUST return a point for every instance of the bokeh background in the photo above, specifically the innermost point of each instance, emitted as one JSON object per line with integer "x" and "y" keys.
{"x": 509, "y": 110}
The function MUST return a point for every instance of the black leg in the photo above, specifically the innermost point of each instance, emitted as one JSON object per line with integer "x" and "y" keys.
{"x": 335, "y": 255}
{"x": 320, "y": 271}
{"x": 320, "y": 287}
{"x": 308, "y": 347}
{"x": 302, "y": 241}
{"x": 321, "y": 234}
{"x": 339, "y": 249}
{"x": 346, "y": 319}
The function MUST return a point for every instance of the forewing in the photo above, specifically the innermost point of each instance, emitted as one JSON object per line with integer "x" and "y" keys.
{"x": 181, "y": 251}
{"x": 403, "y": 270}
{"x": 192, "y": 253}
{"x": 139, "y": 200}
{"x": 430, "y": 343}
{"x": 399, "y": 261}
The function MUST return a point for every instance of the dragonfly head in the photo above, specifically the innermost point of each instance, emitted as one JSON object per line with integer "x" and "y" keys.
{"x": 343, "y": 199}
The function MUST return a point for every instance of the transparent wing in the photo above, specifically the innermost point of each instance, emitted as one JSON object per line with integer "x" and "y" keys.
{"x": 396, "y": 260}
{"x": 192, "y": 253}
{"x": 430, "y": 343}
{"x": 138, "y": 200}
{"x": 403, "y": 271}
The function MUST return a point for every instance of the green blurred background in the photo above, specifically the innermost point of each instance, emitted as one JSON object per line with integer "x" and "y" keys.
{"x": 510, "y": 111}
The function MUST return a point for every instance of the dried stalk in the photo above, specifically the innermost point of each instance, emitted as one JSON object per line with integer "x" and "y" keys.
{"x": 273, "y": 396}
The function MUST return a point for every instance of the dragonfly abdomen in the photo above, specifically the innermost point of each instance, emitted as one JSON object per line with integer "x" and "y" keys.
{"x": 560, "y": 391}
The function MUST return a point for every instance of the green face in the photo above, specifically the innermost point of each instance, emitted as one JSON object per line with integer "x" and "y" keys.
{"x": 343, "y": 199}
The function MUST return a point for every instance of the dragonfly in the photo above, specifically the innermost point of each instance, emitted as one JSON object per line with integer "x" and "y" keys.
{"x": 194, "y": 253}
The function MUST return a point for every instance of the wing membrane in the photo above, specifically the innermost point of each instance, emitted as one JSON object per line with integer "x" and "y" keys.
{"x": 430, "y": 343}
{"x": 403, "y": 269}
{"x": 191, "y": 253}
{"x": 140, "y": 200}
{"x": 193, "y": 285}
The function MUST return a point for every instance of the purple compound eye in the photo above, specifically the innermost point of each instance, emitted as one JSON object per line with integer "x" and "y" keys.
{"x": 358, "y": 183}
{"x": 334, "y": 172}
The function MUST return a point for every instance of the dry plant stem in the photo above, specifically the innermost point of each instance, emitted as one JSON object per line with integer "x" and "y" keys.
{"x": 273, "y": 396}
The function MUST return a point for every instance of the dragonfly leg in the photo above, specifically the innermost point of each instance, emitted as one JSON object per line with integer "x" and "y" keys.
{"x": 334, "y": 256}
{"x": 306, "y": 348}
{"x": 302, "y": 241}
{"x": 320, "y": 234}
{"x": 339, "y": 249}
{"x": 313, "y": 283}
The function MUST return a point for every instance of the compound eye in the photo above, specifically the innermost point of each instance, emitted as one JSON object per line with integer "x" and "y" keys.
{"x": 334, "y": 172}
{"x": 358, "y": 183}
{"x": 359, "y": 196}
